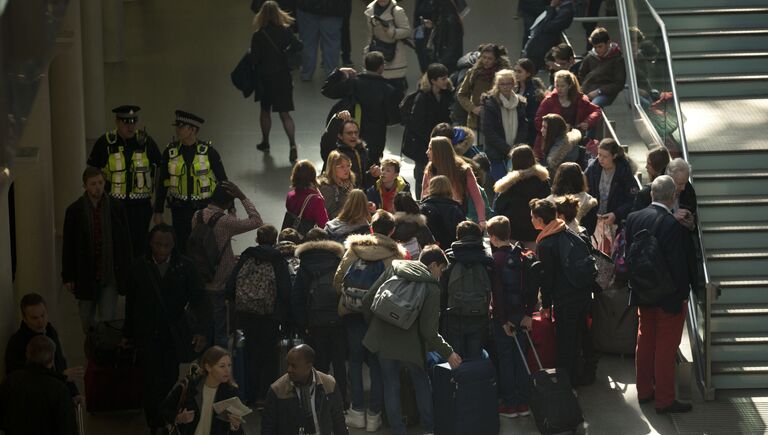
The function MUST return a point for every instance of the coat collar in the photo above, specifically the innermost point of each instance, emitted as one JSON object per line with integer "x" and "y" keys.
{"x": 515, "y": 177}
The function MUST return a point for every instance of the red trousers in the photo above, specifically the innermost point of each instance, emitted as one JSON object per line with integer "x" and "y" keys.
{"x": 658, "y": 338}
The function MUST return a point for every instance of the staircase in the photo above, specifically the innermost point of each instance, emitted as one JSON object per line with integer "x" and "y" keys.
{"x": 719, "y": 51}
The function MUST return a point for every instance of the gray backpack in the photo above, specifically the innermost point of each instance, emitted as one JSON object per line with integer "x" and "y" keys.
{"x": 398, "y": 301}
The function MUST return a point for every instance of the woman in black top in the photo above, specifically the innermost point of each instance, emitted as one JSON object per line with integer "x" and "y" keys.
{"x": 272, "y": 45}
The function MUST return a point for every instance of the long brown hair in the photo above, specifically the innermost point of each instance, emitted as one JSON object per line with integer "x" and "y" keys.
{"x": 355, "y": 210}
{"x": 211, "y": 357}
{"x": 446, "y": 162}
{"x": 574, "y": 89}
{"x": 556, "y": 129}
{"x": 270, "y": 13}
{"x": 303, "y": 175}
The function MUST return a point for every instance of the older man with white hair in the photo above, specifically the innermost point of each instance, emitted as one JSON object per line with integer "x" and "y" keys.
{"x": 685, "y": 204}
{"x": 661, "y": 321}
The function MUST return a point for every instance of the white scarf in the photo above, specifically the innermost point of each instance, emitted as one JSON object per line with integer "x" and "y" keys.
{"x": 509, "y": 117}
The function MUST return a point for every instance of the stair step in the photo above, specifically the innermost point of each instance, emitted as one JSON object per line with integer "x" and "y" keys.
{"x": 719, "y": 310}
{"x": 725, "y": 263}
{"x": 732, "y": 158}
{"x": 731, "y": 182}
{"x": 729, "y": 17}
{"x": 737, "y": 347}
{"x": 720, "y": 62}
{"x": 739, "y": 318}
{"x": 727, "y": 338}
{"x": 735, "y": 375}
{"x": 731, "y": 235}
{"x": 722, "y": 85}
{"x": 659, "y": 4}
{"x": 709, "y": 78}
{"x": 724, "y": 208}
{"x": 742, "y": 289}
{"x": 717, "y": 38}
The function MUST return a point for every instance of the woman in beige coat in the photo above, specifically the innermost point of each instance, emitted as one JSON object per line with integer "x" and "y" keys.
{"x": 389, "y": 29}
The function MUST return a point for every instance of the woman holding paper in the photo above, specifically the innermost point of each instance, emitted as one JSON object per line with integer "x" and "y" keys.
{"x": 207, "y": 403}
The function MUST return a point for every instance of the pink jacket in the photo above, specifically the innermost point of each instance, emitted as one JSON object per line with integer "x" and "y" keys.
{"x": 471, "y": 188}
{"x": 315, "y": 210}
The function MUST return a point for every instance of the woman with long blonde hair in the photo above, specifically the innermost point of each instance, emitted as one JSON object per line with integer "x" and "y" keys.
{"x": 272, "y": 45}
{"x": 336, "y": 182}
{"x": 444, "y": 161}
{"x": 354, "y": 217}
{"x": 503, "y": 123}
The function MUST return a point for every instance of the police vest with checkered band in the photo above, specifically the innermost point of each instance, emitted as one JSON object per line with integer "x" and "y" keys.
{"x": 203, "y": 178}
{"x": 117, "y": 170}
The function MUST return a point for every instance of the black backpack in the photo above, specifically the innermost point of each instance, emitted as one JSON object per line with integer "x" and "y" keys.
{"x": 202, "y": 247}
{"x": 406, "y": 108}
{"x": 521, "y": 276}
{"x": 649, "y": 277}
{"x": 322, "y": 300}
{"x": 578, "y": 263}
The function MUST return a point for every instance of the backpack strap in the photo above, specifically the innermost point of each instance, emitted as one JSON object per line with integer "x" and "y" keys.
{"x": 304, "y": 205}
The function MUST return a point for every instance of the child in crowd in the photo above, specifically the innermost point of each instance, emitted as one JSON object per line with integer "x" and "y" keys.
{"x": 389, "y": 184}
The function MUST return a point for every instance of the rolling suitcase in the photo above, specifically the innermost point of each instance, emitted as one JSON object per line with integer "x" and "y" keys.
{"x": 80, "y": 423}
{"x": 543, "y": 336}
{"x": 614, "y": 322}
{"x": 409, "y": 408}
{"x": 236, "y": 348}
{"x": 466, "y": 399}
{"x": 113, "y": 388}
{"x": 553, "y": 403}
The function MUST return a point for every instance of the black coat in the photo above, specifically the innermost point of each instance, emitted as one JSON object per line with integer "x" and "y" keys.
{"x": 16, "y": 351}
{"x": 315, "y": 259}
{"x": 621, "y": 196}
{"x": 687, "y": 198}
{"x": 427, "y": 112}
{"x": 35, "y": 401}
{"x": 283, "y": 414}
{"x": 282, "y": 277}
{"x": 272, "y": 59}
{"x": 677, "y": 248}
{"x": 77, "y": 259}
{"x": 555, "y": 287}
{"x": 534, "y": 92}
{"x": 146, "y": 319}
{"x": 514, "y": 192}
{"x": 324, "y": 8}
{"x": 547, "y": 33}
{"x": 193, "y": 401}
{"x": 496, "y": 146}
{"x": 378, "y": 101}
{"x": 447, "y": 36}
{"x": 443, "y": 215}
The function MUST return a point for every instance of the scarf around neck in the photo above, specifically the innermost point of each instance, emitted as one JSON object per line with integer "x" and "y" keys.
{"x": 509, "y": 116}
{"x": 554, "y": 227}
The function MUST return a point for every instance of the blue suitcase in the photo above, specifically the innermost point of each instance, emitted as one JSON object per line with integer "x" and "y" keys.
{"x": 466, "y": 399}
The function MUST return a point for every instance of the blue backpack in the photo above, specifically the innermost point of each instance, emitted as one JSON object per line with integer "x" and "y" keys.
{"x": 358, "y": 281}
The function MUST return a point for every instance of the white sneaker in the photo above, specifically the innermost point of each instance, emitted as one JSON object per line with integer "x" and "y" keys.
{"x": 355, "y": 418}
{"x": 373, "y": 422}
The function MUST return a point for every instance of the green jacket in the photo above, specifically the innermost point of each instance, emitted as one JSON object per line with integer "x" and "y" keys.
{"x": 389, "y": 341}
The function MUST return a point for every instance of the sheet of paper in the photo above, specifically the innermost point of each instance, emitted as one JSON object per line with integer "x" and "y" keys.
{"x": 233, "y": 405}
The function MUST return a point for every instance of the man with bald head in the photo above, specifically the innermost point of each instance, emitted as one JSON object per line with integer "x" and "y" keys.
{"x": 304, "y": 400}
{"x": 35, "y": 399}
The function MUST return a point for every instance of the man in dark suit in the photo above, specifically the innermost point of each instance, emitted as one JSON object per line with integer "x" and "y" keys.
{"x": 661, "y": 324}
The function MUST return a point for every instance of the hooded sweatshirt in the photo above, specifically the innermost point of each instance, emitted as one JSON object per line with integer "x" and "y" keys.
{"x": 604, "y": 73}
{"x": 412, "y": 344}
{"x": 338, "y": 230}
{"x": 369, "y": 247}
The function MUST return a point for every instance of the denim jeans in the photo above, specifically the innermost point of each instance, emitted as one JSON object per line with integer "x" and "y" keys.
{"x": 105, "y": 303}
{"x": 390, "y": 373}
{"x": 330, "y": 347}
{"x": 467, "y": 342}
{"x": 514, "y": 380}
{"x": 601, "y": 101}
{"x": 356, "y": 329}
{"x": 218, "y": 336}
{"x": 317, "y": 30}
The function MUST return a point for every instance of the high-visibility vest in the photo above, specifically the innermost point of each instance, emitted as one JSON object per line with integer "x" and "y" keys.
{"x": 204, "y": 180}
{"x": 117, "y": 169}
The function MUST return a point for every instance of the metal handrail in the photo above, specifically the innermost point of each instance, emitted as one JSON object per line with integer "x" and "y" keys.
{"x": 704, "y": 371}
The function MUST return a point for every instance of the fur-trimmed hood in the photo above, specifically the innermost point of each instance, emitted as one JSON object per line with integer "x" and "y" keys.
{"x": 402, "y": 217}
{"x": 515, "y": 177}
{"x": 462, "y": 147}
{"x": 335, "y": 248}
{"x": 586, "y": 203}
{"x": 560, "y": 149}
{"x": 374, "y": 247}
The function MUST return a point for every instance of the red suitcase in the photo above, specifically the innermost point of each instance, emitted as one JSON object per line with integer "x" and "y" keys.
{"x": 543, "y": 336}
{"x": 112, "y": 388}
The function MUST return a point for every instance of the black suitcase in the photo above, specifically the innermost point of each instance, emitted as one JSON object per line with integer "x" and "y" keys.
{"x": 553, "y": 404}
{"x": 466, "y": 399}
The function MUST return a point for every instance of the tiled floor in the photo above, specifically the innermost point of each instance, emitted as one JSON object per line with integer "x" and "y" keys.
{"x": 179, "y": 55}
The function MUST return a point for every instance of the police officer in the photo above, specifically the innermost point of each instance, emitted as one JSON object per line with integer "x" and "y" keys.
{"x": 129, "y": 158}
{"x": 189, "y": 173}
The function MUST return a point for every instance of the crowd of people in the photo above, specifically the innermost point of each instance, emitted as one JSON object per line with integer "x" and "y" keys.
{"x": 507, "y": 172}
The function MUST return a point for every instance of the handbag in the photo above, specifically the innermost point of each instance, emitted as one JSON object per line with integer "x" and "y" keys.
{"x": 605, "y": 269}
{"x": 388, "y": 49}
{"x": 297, "y": 222}
{"x": 293, "y": 58}
{"x": 244, "y": 75}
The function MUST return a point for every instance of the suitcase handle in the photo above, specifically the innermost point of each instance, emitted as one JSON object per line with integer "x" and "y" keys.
{"x": 522, "y": 354}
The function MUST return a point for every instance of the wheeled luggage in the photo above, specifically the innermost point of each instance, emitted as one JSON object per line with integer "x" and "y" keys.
{"x": 553, "y": 402}
{"x": 466, "y": 399}
{"x": 236, "y": 348}
{"x": 113, "y": 388}
{"x": 543, "y": 336}
{"x": 614, "y": 322}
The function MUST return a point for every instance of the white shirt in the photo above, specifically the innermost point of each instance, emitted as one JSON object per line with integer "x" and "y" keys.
{"x": 662, "y": 206}
{"x": 206, "y": 411}
{"x": 312, "y": 401}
